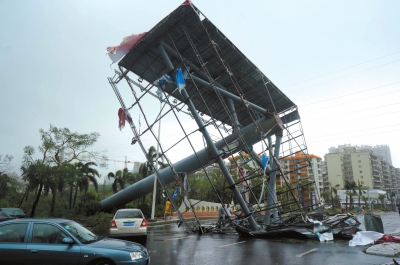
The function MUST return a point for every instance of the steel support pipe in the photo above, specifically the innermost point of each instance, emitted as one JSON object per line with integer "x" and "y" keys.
{"x": 272, "y": 199}
{"x": 215, "y": 153}
{"x": 194, "y": 162}
{"x": 228, "y": 94}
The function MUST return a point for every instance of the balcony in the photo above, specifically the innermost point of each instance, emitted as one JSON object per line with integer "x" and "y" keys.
{"x": 383, "y": 180}
{"x": 376, "y": 181}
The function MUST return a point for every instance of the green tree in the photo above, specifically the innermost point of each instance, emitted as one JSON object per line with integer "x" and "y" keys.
{"x": 121, "y": 177}
{"x": 36, "y": 173}
{"x": 365, "y": 199}
{"x": 84, "y": 175}
{"x": 59, "y": 148}
{"x": 333, "y": 194}
{"x": 350, "y": 186}
{"x": 5, "y": 164}
{"x": 89, "y": 174}
{"x": 147, "y": 168}
{"x": 8, "y": 183}
{"x": 5, "y": 179}
{"x": 359, "y": 188}
{"x": 327, "y": 196}
{"x": 382, "y": 197}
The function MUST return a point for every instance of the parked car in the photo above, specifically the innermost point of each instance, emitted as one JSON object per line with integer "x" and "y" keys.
{"x": 14, "y": 212}
{"x": 128, "y": 223}
{"x": 5, "y": 217}
{"x": 62, "y": 242}
{"x": 327, "y": 206}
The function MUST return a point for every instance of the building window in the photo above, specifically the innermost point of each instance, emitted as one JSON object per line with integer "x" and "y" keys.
{"x": 359, "y": 161}
{"x": 361, "y": 177}
{"x": 359, "y": 166}
{"x": 360, "y": 171}
{"x": 362, "y": 182}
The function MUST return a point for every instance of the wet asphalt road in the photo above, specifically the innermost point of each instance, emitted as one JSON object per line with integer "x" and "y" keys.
{"x": 168, "y": 244}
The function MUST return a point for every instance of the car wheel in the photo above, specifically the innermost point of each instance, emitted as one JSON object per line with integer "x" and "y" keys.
{"x": 102, "y": 262}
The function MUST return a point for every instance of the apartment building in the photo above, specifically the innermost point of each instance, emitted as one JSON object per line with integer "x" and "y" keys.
{"x": 363, "y": 167}
{"x": 301, "y": 167}
{"x": 379, "y": 150}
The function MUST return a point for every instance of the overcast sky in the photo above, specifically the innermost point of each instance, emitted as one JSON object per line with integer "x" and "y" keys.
{"x": 339, "y": 61}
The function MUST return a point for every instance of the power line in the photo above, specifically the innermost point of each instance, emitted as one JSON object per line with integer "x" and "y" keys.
{"x": 380, "y": 127}
{"x": 319, "y": 125}
{"x": 343, "y": 76}
{"x": 347, "y": 113}
{"x": 352, "y": 136}
{"x": 341, "y": 69}
{"x": 349, "y": 94}
{"x": 391, "y": 92}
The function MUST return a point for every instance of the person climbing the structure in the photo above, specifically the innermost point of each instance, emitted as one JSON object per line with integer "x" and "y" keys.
{"x": 167, "y": 209}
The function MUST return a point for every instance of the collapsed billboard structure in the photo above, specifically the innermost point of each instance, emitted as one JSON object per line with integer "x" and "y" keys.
{"x": 210, "y": 93}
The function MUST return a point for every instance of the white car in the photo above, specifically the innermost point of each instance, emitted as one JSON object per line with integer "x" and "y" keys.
{"x": 128, "y": 223}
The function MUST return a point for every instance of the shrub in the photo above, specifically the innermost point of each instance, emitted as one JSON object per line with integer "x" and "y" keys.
{"x": 146, "y": 209}
{"x": 99, "y": 223}
{"x": 88, "y": 204}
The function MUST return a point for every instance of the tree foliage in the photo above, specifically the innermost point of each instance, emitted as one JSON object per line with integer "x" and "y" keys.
{"x": 54, "y": 171}
{"x": 350, "y": 187}
{"x": 5, "y": 164}
{"x": 121, "y": 177}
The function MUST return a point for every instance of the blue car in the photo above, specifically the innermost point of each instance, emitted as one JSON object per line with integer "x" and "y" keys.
{"x": 60, "y": 241}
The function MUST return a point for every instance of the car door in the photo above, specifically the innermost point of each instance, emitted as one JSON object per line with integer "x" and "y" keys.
{"x": 45, "y": 247}
{"x": 13, "y": 243}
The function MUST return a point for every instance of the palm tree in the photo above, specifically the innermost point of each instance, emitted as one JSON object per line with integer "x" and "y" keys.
{"x": 360, "y": 192}
{"x": 326, "y": 195}
{"x": 90, "y": 175}
{"x": 349, "y": 186}
{"x": 147, "y": 168}
{"x": 382, "y": 197}
{"x": 365, "y": 199}
{"x": 333, "y": 192}
{"x": 61, "y": 174}
{"x": 5, "y": 181}
{"x": 85, "y": 175}
{"x": 121, "y": 177}
{"x": 38, "y": 175}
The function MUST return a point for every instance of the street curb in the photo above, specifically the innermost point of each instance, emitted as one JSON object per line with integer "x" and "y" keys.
{"x": 175, "y": 220}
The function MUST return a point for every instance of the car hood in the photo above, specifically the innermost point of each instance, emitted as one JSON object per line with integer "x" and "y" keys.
{"x": 117, "y": 244}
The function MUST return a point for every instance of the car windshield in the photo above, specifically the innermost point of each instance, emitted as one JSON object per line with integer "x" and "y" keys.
{"x": 12, "y": 211}
{"x": 129, "y": 214}
{"x": 3, "y": 214}
{"x": 83, "y": 234}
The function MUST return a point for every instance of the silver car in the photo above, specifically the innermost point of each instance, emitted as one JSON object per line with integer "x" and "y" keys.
{"x": 128, "y": 223}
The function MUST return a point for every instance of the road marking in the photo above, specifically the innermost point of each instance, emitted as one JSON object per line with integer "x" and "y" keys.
{"x": 174, "y": 238}
{"x": 307, "y": 252}
{"x": 232, "y": 244}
